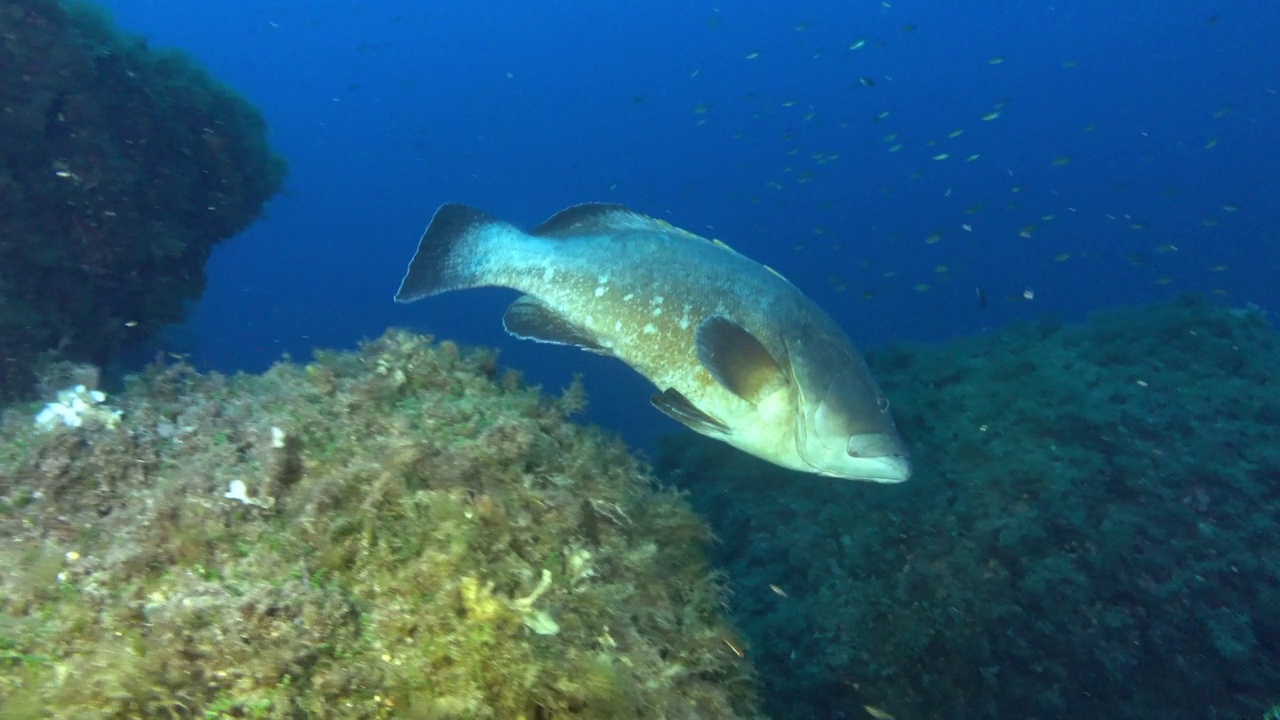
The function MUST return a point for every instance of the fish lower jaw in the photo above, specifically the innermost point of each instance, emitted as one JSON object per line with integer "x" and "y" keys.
{"x": 890, "y": 469}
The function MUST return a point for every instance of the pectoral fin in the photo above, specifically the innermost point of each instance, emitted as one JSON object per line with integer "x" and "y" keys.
{"x": 737, "y": 359}
{"x": 528, "y": 318}
{"x": 678, "y": 408}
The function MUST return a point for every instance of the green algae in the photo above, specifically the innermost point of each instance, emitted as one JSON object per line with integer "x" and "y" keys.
{"x": 417, "y": 536}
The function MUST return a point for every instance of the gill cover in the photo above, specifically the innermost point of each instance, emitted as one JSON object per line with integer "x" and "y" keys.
{"x": 844, "y": 427}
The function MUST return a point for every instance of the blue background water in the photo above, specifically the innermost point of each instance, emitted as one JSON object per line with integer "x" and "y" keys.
{"x": 748, "y": 123}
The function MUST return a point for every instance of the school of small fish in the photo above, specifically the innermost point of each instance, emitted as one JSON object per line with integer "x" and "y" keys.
{"x": 1033, "y": 210}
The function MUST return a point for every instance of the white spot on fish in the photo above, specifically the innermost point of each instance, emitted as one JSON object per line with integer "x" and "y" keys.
{"x": 657, "y": 311}
{"x": 628, "y": 296}
{"x": 649, "y": 329}
{"x": 548, "y": 273}
{"x": 684, "y": 323}
{"x": 602, "y": 279}
{"x": 600, "y": 290}
{"x": 617, "y": 325}
{"x": 588, "y": 321}
{"x": 657, "y": 300}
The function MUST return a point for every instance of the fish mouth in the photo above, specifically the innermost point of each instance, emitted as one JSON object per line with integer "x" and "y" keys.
{"x": 874, "y": 445}
{"x": 879, "y": 457}
{"x": 890, "y": 469}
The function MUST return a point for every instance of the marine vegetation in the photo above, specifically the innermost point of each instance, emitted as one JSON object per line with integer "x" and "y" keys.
{"x": 122, "y": 167}
{"x": 405, "y": 531}
{"x": 1093, "y": 531}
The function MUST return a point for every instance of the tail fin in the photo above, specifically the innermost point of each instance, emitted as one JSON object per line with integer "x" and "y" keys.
{"x": 449, "y": 254}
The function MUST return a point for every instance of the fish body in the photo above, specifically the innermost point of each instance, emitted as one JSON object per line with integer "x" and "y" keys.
{"x": 736, "y": 351}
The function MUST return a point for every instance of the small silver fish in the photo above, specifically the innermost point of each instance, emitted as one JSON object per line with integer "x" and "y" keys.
{"x": 736, "y": 351}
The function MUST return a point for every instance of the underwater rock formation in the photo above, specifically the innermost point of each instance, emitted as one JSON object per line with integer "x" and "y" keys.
{"x": 121, "y": 167}
{"x": 1092, "y": 531}
{"x": 399, "y": 532}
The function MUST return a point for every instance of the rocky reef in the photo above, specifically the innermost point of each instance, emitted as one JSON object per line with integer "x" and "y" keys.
{"x": 402, "y": 532}
{"x": 1093, "y": 531}
{"x": 122, "y": 167}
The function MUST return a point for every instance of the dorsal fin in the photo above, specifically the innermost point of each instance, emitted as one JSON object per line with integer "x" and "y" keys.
{"x": 597, "y": 219}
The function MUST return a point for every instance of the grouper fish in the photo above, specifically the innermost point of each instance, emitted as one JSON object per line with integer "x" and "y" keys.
{"x": 736, "y": 351}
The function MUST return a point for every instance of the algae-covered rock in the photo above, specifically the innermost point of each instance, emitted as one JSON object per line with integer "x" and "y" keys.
{"x": 122, "y": 167}
{"x": 389, "y": 533}
{"x": 1091, "y": 531}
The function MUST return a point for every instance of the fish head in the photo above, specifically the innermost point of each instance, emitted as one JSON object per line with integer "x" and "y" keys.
{"x": 844, "y": 428}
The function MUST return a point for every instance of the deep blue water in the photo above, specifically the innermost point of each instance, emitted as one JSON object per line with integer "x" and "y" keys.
{"x": 1139, "y": 148}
